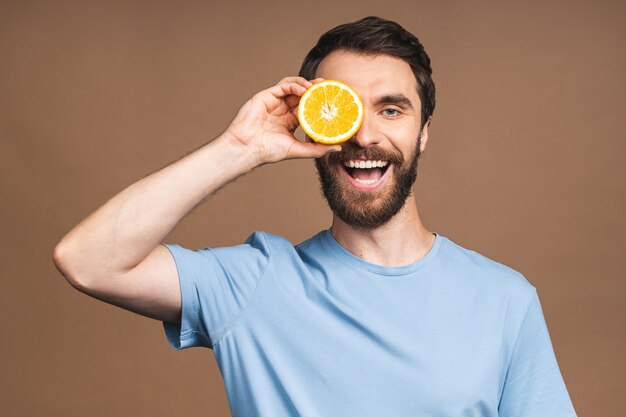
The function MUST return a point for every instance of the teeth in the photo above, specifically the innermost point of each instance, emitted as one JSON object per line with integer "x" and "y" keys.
{"x": 365, "y": 164}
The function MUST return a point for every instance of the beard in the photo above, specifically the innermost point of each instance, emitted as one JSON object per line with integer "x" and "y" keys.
{"x": 367, "y": 209}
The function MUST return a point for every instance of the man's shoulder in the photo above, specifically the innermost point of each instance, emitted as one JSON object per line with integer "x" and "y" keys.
{"x": 485, "y": 268}
{"x": 274, "y": 242}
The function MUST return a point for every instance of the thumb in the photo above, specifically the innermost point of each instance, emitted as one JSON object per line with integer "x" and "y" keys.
{"x": 312, "y": 150}
{"x": 322, "y": 150}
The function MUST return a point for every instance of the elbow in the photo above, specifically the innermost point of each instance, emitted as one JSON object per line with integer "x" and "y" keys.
{"x": 61, "y": 257}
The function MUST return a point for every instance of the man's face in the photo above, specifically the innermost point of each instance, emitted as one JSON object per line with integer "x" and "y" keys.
{"x": 388, "y": 143}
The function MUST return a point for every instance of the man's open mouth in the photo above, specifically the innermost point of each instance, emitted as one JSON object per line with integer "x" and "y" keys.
{"x": 365, "y": 173}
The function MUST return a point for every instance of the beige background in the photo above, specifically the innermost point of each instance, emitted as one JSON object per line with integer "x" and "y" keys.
{"x": 524, "y": 165}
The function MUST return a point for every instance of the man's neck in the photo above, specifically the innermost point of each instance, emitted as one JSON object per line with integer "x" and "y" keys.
{"x": 400, "y": 241}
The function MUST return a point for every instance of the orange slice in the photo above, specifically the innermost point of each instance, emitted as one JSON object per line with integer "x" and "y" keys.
{"x": 330, "y": 112}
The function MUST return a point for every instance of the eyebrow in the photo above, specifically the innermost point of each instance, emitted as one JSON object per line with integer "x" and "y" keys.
{"x": 397, "y": 99}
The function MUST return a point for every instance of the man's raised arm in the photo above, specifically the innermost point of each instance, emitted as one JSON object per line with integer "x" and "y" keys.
{"x": 115, "y": 255}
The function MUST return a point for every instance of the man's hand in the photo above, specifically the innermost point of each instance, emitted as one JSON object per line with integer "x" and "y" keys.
{"x": 265, "y": 124}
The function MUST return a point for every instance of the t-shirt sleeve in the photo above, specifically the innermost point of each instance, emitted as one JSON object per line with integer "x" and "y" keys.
{"x": 216, "y": 286}
{"x": 533, "y": 385}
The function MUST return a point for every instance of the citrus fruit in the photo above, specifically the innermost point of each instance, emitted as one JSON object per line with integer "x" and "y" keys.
{"x": 330, "y": 112}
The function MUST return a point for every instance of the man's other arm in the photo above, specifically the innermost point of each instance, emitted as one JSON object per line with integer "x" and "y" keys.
{"x": 115, "y": 255}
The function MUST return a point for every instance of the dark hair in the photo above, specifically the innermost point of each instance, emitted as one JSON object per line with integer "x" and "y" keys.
{"x": 374, "y": 35}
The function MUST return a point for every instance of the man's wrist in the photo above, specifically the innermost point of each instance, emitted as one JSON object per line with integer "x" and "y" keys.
{"x": 238, "y": 152}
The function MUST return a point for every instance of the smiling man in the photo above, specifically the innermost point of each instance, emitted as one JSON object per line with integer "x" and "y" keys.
{"x": 375, "y": 316}
{"x": 392, "y": 137}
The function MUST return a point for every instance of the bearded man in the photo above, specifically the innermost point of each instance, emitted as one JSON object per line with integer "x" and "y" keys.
{"x": 375, "y": 316}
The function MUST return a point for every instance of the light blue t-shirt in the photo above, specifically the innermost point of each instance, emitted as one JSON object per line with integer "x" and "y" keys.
{"x": 314, "y": 331}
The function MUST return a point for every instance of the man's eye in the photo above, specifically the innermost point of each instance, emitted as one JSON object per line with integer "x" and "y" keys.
{"x": 391, "y": 112}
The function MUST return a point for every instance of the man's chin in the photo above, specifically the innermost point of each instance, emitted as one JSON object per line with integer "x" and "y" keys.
{"x": 363, "y": 216}
{"x": 361, "y": 209}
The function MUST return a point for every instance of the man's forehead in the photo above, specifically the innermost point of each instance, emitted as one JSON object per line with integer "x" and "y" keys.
{"x": 372, "y": 76}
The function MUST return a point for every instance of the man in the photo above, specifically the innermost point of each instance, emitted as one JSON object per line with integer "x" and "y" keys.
{"x": 376, "y": 316}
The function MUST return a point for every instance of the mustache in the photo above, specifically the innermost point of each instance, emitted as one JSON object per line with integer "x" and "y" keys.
{"x": 373, "y": 153}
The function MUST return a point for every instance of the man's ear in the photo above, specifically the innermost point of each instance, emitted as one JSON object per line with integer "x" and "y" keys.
{"x": 424, "y": 135}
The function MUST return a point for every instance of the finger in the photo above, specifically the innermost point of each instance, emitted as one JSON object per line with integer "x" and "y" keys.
{"x": 292, "y": 101}
{"x": 286, "y": 89}
{"x": 291, "y": 121}
{"x": 317, "y": 80}
{"x": 300, "y": 80}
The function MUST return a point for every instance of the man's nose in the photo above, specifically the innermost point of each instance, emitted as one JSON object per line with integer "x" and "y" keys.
{"x": 367, "y": 135}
